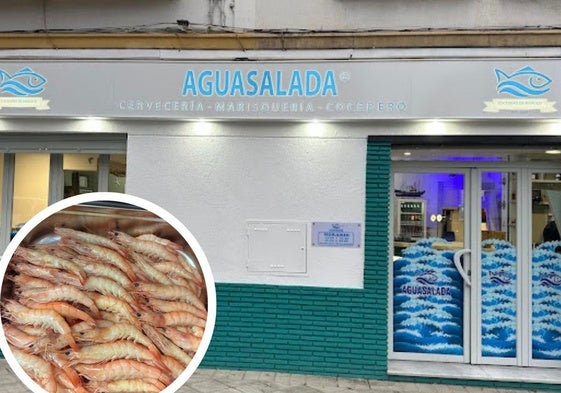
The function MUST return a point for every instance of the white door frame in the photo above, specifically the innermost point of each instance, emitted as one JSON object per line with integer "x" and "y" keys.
{"x": 472, "y": 334}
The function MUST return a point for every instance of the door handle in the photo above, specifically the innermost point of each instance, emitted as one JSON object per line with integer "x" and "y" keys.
{"x": 457, "y": 262}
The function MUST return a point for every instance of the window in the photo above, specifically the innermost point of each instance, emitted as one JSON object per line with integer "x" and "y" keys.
{"x": 38, "y": 170}
{"x": 31, "y": 187}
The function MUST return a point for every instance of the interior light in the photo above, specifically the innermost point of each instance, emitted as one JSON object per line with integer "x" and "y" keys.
{"x": 553, "y": 151}
{"x": 407, "y": 153}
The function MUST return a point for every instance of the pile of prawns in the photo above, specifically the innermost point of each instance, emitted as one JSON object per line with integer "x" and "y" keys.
{"x": 103, "y": 313}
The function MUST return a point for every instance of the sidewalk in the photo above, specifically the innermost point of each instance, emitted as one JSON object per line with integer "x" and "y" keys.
{"x": 222, "y": 381}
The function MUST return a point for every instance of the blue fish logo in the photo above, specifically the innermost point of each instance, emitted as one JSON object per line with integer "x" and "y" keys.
{"x": 501, "y": 277}
{"x": 551, "y": 279}
{"x": 25, "y": 82}
{"x": 525, "y": 82}
{"x": 427, "y": 277}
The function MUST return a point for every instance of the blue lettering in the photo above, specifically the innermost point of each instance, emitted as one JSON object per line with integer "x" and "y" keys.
{"x": 308, "y": 83}
{"x": 280, "y": 91}
{"x": 267, "y": 84}
{"x": 329, "y": 84}
{"x": 237, "y": 84}
{"x": 205, "y": 83}
{"x": 295, "y": 84}
{"x": 221, "y": 89}
{"x": 251, "y": 82}
{"x": 189, "y": 84}
{"x": 312, "y": 82}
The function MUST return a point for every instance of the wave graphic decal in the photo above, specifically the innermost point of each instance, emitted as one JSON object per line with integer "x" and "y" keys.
{"x": 546, "y": 302}
{"x": 25, "y": 82}
{"x": 498, "y": 299}
{"x": 525, "y": 82}
{"x": 428, "y": 314}
{"x": 428, "y": 301}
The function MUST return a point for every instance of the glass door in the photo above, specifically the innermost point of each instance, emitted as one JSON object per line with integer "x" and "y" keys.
{"x": 431, "y": 311}
{"x": 495, "y": 258}
{"x": 545, "y": 269}
{"x": 455, "y": 266}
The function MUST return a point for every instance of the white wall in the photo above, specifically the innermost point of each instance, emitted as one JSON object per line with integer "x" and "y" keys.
{"x": 406, "y": 14}
{"x": 273, "y": 14}
{"x": 214, "y": 184}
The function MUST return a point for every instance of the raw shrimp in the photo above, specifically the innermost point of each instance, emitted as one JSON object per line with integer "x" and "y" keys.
{"x": 151, "y": 272}
{"x": 60, "y": 293}
{"x": 165, "y": 345}
{"x": 98, "y": 268}
{"x": 169, "y": 306}
{"x": 177, "y": 268}
{"x": 149, "y": 248}
{"x": 117, "y": 331}
{"x": 169, "y": 292}
{"x": 194, "y": 330}
{"x": 20, "y": 339}
{"x": 38, "y": 369}
{"x": 52, "y": 275}
{"x": 122, "y": 369}
{"x": 120, "y": 349}
{"x": 105, "y": 254}
{"x": 88, "y": 238}
{"x": 107, "y": 286}
{"x": 63, "y": 308}
{"x": 44, "y": 318}
{"x": 160, "y": 240}
{"x": 180, "y": 269}
{"x": 115, "y": 306}
{"x": 186, "y": 341}
{"x": 127, "y": 386}
{"x": 81, "y": 326}
{"x": 47, "y": 340}
{"x": 44, "y": 259}
{"x": 173, "y": 318}
{"x": 109, "y": 313}
{"x": 174, "y": 365}
{"x": 189, "y": 265}
{"x": 27, "y": 281}
{"x": 59, "y": 250}
{"x": 60, "y": 360}
{"x": 65, "y": 382}
{"x": 111, "y": 317}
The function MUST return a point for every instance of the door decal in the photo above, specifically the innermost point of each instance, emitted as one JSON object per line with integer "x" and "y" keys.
{"x": 546, "y": 301}
{"x": 498, "y": 298}
{"x": 428, "y": 301}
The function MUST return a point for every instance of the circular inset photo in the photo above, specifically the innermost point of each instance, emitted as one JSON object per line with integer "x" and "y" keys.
{"x": 105, "y": 292}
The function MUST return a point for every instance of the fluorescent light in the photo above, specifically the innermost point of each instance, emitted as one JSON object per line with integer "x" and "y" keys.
{"x": 553, "y": 151}
{"x": 315, "y": 128}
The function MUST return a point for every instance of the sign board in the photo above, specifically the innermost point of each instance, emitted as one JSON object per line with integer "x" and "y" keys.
{"x": 334, "y": 234}
{"x": 287, "y": 90}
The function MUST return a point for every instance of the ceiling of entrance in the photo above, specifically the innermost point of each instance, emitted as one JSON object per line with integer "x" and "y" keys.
{"x": 480, "y": 154}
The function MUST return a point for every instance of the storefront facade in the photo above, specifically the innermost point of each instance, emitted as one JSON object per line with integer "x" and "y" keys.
{"x": 348, "y": 208}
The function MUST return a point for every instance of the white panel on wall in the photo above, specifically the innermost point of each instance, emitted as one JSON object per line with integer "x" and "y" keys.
{"x": 276, "y": 247}
{"x": 214, "y": 185}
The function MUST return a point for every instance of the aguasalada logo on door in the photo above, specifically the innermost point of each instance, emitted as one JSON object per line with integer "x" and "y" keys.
{"x": 21, "y": 89}
{"x": 525, "y": 88}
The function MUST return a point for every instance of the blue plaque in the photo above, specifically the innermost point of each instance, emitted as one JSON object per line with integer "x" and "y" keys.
{"x": 336, "y": 234}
